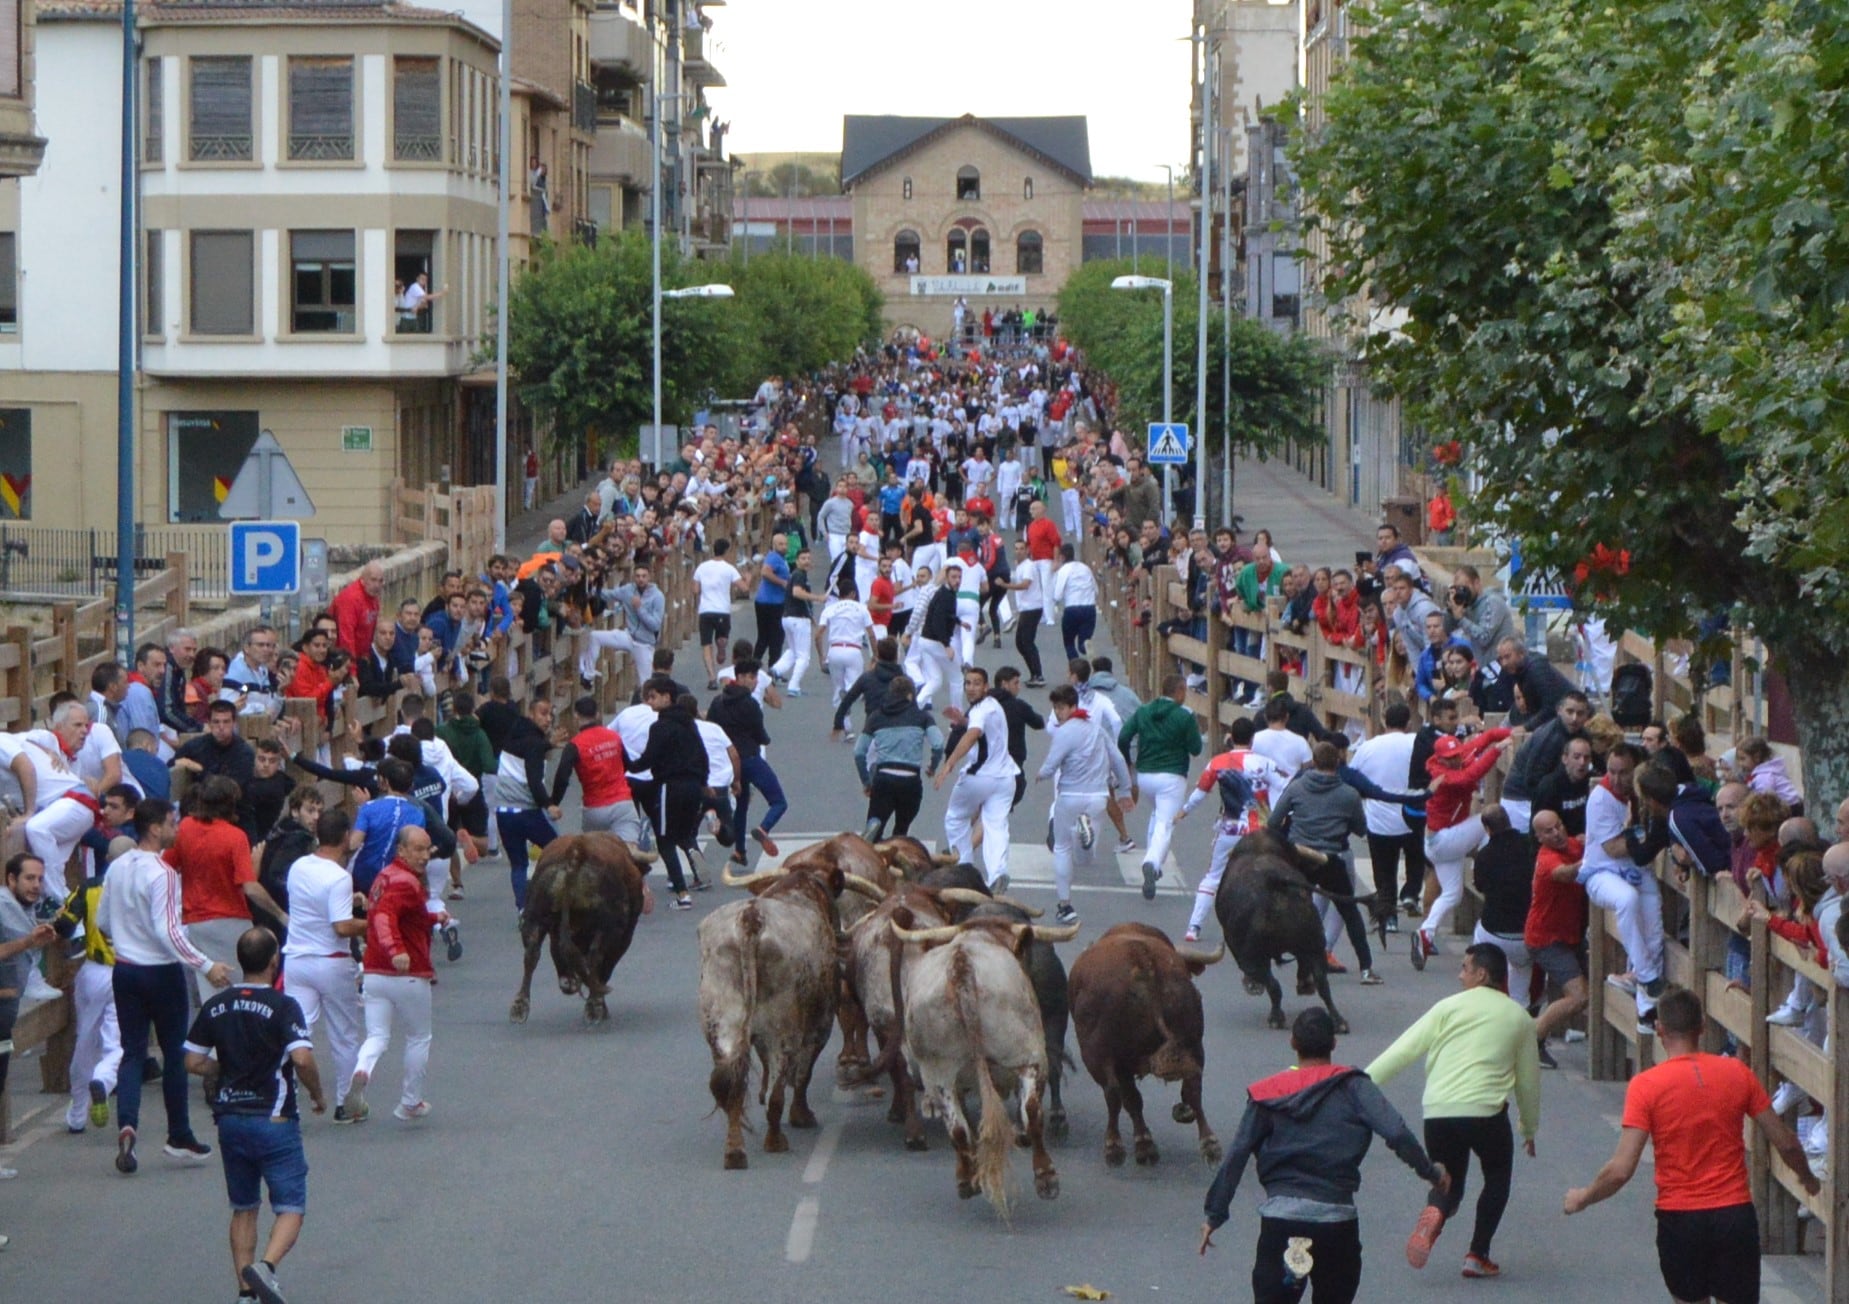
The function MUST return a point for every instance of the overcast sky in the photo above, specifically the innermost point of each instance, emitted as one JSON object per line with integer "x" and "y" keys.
{"x": 794, "y": 68}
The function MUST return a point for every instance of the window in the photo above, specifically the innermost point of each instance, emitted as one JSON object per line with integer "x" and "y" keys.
{"x": 9, "y": 282}
{"x": 956, "y": 252}
{"x": 320, "y": 107}
{"x": 414, "y": 255}
{"x": 1027, "y": 188}
{"x": 905, "y": 252}
{"x": 223, "y": 285}
{"x": 205, "y": 452}
{"x": 908, "y": 187}
{"x": 10, "y": 19}
{"x": 979, "y": 250}
{"x": 153, "y": 289}
{"x": 152, "y": 113}
{"x": 969, "y": 183}
{"x": 220, "y": 109}
{"x": 417, "y": 110}
{"x": 322, "y": 282}
{"x": 1029, "y": 256}
{"x": 15, "y": 464}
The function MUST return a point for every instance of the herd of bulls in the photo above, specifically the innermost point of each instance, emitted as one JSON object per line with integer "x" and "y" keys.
{"x": 938, "y": 987}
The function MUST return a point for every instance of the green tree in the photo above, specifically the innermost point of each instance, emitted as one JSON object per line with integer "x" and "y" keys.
{"x": 1608, "y": 232}
{"x": 805, "y": 313}
{"x": 1276, "y": 378}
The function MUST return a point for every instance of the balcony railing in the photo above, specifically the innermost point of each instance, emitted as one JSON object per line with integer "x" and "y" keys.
{"x": 320, "y": 148}
{"x": 584, "y": 107}
{"x": 411, "y": 148}
{"x": 221, "y": 149}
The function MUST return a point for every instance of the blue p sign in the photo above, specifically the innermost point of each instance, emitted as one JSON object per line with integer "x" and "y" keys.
{"x": 266, "y": 557}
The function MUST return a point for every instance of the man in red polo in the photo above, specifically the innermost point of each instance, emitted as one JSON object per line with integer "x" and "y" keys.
{"x": 1043, "y": 542}
{"x": 356, "y": 610}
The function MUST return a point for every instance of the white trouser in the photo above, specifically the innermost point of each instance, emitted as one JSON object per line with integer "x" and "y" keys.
{"x": 53, "y": 834}
{"x": 620, "y": 819}
{"x": 617, "y": 640}
{"x": 436, "y": 879}
{"x": 1446, "y": 850}
{"x": 938, "y": 669}
{"x": 1069, "y": 502}
{"x": 392, "y": 997}
{"x": 490, "y": 781}
{"x": 216, "y": 939}
{"x": 1045, "y": 570}
{"x": 1639, "y": 911}
{"x": 1520, "y": 812}
{"x": 798, "y": 641}
{"x": 845, "y": 665}
{"x": 1520, "y": 967}
{"x": 1166, "y": 792}
{"x": 987, "y": 797}
{"x": 969, "y": 613}
{"x": 837, "y": 544}
{"x": 1223, "y": 844}
{"x": 327, "y": 989}
{"x": 1067, "y": 807}
{"x": 96, "y": 1053}
{"x": 864, "y": 575}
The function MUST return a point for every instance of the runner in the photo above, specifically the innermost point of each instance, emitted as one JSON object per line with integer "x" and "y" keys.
{"x": 1166, "y": 735}
{"x": 398, "y": 977}
{"x": 846, "y": 623}
{"x": 798, "y": 627}
{"x": 323, "y": 975}
{"x": 985, "y": 786}
{"x": 1085, "y": 764}
{"x": 1248, "y": 785}
{"x": 595, "y": 755}
{"x": 718, "y": 581}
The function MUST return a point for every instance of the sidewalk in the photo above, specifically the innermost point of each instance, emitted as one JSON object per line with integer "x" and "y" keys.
{"x": 527, "y": 530}
{"x": 1307, "y": 523}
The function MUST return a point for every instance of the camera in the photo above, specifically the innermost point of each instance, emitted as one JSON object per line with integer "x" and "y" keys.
{"x": 1461, "y": 595}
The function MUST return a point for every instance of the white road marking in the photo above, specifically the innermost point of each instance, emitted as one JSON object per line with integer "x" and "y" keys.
{"x": 25, "y": 1136}
{"x": 824, "y": 1151}
{"x": 801, "y": 1239}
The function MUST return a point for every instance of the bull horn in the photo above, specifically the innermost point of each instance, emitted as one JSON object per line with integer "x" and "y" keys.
{"x": 644, "y": 857}
{"x": 865, "y": 886}
{"x": 1049, "y": 933}
{"x": 1032, "y": 912}
{"x": 1310, "y": 854}
{"x": 730, "y": 879}
{"x": 1193, "y": 956}
{"x": 964, "y": 896}
{"x": 943, "y": 933}
{"x": 944, "y": 859}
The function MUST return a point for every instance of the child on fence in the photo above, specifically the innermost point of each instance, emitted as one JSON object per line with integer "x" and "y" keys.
{"x": 1766, "y": 772}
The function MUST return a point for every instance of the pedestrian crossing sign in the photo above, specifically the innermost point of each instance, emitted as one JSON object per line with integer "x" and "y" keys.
{"x": 1168, "y": 443}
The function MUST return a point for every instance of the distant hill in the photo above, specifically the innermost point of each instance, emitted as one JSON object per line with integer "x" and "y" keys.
{"x": 797, "y": 173}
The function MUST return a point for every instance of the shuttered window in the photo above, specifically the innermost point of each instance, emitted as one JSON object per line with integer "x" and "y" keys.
{"x": 9, "y": 282}
{"x": 10, "y": 79}
{"x": 153, "y": 298}
{"x": 320, "y": 107}
{"x": 220, "y": 128}
{"x": 417, "y": 110}
{"x": 322, "y": 280}
{"x": 222, "y": 283}
{"x": 153, "y": 120}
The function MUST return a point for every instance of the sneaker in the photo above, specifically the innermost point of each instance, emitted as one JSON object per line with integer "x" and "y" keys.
{"x": 358, "y": 1111}
{"x": 1572, "y": 1035}
{"x": 682, "y": 901}
{"x": 1622, "y": 982}
{"x": 261, "y": 1278}
{"x": 1412, "y": 907}
{"x": 1063, "y": 913}
{"x": 37, "y": 989}
{"x": 1036, "y": 682}
{"x": 1371, "y": 979}
{"x": 8, "y": 1174}
{"x": 1151, "y": 875}
{"x": 1192, "y": 935}
{"x": 191, "y": 1151}
{"x": 410, "y": 1113}
{"x": 712, "y": 685}
{"x": 1786, "y": 1016}
{"x": 454, "y": 893}
{"x": 1788, "y": 1096}
{"x": 99, "y": 1104}
{"x": 342, "y": 1117}
{"x": 762, "y": 837}
{"x": 1332, "y": 964}
{"x": 1000, "y": 886}
{"x": 1391, "y": 924}
{"x": 702, "y": 884}
{"x": 1547, "y": 1059}
{"x": 1087, "y": 834}
{"x": 125, "y": 1151}
{"x": 1424, "y": 1235}
{"x": 1125, "y": 846}
{"x": 1475, "y": 1265}
{"x": 452, "y": 942}
{"x": 1421, "y": 947}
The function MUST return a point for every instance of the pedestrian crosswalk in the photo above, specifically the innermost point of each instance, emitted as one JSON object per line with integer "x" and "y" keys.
{"x": 1030, "y": 864}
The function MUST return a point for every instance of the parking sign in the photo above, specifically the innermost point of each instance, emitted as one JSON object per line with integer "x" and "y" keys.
{"x": 266, "y": 557}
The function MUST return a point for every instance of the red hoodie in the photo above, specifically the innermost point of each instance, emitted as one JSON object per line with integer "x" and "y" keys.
{"x": 397, "y": 923}
{"x": 1455, "y": 783}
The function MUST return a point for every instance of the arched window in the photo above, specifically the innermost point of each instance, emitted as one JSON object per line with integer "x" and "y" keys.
{"x": 979, "y": 250}
{"x": 908, "y": 187}
{"x": 1027, "y": 188}
{"x": 905, "y": 252}
{"x": 1028, "y": 251}
{"x": 969, "y": 183}
{"x": 956, "y": 252}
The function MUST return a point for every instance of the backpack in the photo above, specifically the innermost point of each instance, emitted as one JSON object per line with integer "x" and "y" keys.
{"x": 1630, "y": 695}
{"x": 1237, "y": 795}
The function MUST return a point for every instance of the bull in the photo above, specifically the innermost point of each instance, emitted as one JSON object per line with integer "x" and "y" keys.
{"x": 851, "y": 854}
{"x": 1047, "y": 973}
{"x": 969, "y": 1019}
{"x": 872, "y": 984}
{"x": 1138, "y": 1014}
{"x": 585, "y": 896}
{"x": 1267, "y": 911}
{"x": 911, "y": 859}
{"x": 768, "y": 984}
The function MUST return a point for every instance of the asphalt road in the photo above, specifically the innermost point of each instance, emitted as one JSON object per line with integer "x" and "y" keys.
{"x": 564, "y": 1164}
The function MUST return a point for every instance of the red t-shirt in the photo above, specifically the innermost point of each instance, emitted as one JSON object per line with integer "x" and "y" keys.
{"x": 1693, "y": 1107}
{"x": 213, "y": 860}
{"x": 879, "y": 600}
{"x": 1043, "y": 539}
{"x": 1556, "y": 911}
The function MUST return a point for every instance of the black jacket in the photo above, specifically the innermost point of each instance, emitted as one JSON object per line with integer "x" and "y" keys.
{"x": 737, "y": 712}
{"x": 289, "y": 843}
{"x": 871, "y": 686}
{"x": 529, "y": 743}
{"x": 582, "y": 526}
{"x": 236, "y": 762}
{"x": 1542, "y": 688}
{"x": 940, "y": 621}
{"x": 1564, "y": 798}
{"x": 1504, "y": 874}
{"x": 1021, "y": 718}
{"x": 376, "y": 680}
{"x": 1538, "y": 758}
{"x": 1302, "y": 721}
{"x": 674, "y": 753}
{"x": 497, "y": 721}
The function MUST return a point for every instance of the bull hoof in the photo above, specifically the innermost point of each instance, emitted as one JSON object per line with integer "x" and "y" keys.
{"x": 802, "y": 1116}
{"x": 896, "y": 1114}
{"x": 1114, "y": 1154}
{"x": 1306, "y": 987}
{"x": 735, "y": 1160}
{"x": 1275, "y": 1018}
{"x": 569, "y": 986}
{"x": 1046, "y": 1185}
{"x": 1181, "y": 1113}
{"x": 596, "y": 1011}
{"x": 916, "y": 1143}
{"x": 1022, "y": 1141}
{"x": 517, "y": 1012}
{"x": 1254, "y": 987}
{"x": 776, "y": 1144}
{"x": 966, "y": 1189}
{"x": 1210, "y": 1149}
{"x": 1341, "y": 1026}
{"x": 1056, "y": 1123}
{"x": 1146, "y": 1153}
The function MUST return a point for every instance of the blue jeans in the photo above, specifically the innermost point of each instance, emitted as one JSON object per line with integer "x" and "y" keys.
{"x": 157, "y": 997}
{"x": 258, "y": 1149}
{"x": 755, "y": 772}
{"x": 519, "y": 827}
{"x": 1076, "y": 626}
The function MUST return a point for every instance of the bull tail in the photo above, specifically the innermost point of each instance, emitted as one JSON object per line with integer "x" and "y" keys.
{"x": 894, "y": 1050}
{"x": 995, "y": 1135}
{"x": 731, "y": 1077}
{"x": 1342, "y": 897}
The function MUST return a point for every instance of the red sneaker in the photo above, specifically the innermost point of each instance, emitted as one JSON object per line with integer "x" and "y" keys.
{"x": 1475, "y": 1265}
{"x": 1332, "y": 964}
{"x": 763, "y": 839}
{"x": 1424, "y": 1235}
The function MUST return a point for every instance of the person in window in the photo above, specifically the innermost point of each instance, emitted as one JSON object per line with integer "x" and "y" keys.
{"x": 414, "y": 311}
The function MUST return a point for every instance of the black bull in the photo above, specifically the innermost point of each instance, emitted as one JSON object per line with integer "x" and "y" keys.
{"x": 1267, "y": 909}
{"x": 586, "y": 896}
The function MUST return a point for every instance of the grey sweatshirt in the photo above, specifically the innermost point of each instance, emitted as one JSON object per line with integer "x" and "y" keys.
{"x": 1084, "y": 759}
{"x": 1322, "y": 812}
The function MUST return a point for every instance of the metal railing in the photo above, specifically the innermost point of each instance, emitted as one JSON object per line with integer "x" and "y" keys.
{"x": 414, "y": 148}
{"x": 318, "y": 148}
{"x": 222, "y": 149}
{"x": 45, "y": 561}
{"x": 584, "y": 106}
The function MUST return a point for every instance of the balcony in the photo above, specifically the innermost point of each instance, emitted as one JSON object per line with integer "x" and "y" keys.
{"x": 584, "y": 107}
{"x": 699, "y": 71}
{"x": 619, "y": 155}
{"x": 619, "y": 41}
{"x": 21, "y": 149}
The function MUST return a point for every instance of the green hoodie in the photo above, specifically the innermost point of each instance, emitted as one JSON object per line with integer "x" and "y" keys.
{"x": 1170, "y": 736}
{"x": 464, "y": 735}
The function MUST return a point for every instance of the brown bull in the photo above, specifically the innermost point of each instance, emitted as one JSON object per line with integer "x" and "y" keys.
{"x": 873, "y": 956}
{"x": 768, "y": 984}
{"x": 1138, "y": 1014}
{"x": 863, "y": 868}
{"x": 911, "y": 859}
{"x": 586, "y": 896}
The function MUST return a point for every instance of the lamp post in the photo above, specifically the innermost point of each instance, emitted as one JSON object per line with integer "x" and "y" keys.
{"x": 686, "y": 292}
{"x": 1168, "y": 221}
{"x": 1168, "y": 367}
{"x": 654, "y": 239}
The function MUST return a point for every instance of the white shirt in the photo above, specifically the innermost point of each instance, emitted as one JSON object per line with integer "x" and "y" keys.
{"x": 988, "y": 719}
{"x": 57, "y": 777}
{"x": 971, "y": 583}
{"x": 718, "y": 762}
{"x": 140, "y": 913}
{"x": 1075, "y": 586}
{"x": 1606, "y": 817}
{"x": 866, "y": 561}
{"x": 462, "y": 785}
{"x": 978, "y": 471}
{"x": 1007, "y": 484}
{"x": 729, "y": 673}
{"x": 901, "y": 585}
{"x": 846, "y": 621}
{"x": 320, "y": 896}
{"x": 1386, "y": 759}
{"x": 715, "y": 578}
{"x": 98, "y": 746}
{"x": 1033, "y": 597}
{"x": 632, "y": 723}
{"x": 1284, "y": 749}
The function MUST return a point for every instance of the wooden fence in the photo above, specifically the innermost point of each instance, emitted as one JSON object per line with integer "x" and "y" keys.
{"x": 461, "y": 517}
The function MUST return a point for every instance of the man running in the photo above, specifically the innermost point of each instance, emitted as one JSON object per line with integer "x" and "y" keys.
{"x": 1248, "y": 785}
{"x": 595, "y": 755}
{"x": 737, "y": 712}
{"x": 985, "y": 787}
{"x": 1169, "y": 737}
{"x": 323, "y": 976}
{"x": 1085, "y": 764}
{"x": 398, "y": 977}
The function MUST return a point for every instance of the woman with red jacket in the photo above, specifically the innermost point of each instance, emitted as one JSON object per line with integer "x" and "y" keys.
{"x": 398, "y": 975}
{"x": 1451, "y": 831}
{"x": 311, "y": 678}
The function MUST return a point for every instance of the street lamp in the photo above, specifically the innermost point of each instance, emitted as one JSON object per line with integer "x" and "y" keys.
{"x": 686, "y": 292}
{"x": 654, "y": 204}
{"x": 1168, "y": 221}
{"x": 1168, "y": 369}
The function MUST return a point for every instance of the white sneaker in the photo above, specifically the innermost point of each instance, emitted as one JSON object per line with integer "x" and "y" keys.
{"x": 37, "y": 989}
{"x": 1786, "y": 1016}
{"x": 1622, "y": 982}
{"x": 1572, "y": 1035}
{"x": 1788, "y": 1096}
{"x": 406, "y": 1113}
{"x": 1125, "y": 845}
{"x": 8, "y": 1174}
{"x": 1087, "y": 835}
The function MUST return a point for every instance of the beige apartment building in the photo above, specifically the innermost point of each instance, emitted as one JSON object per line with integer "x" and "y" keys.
{"x": 990, "y": 210}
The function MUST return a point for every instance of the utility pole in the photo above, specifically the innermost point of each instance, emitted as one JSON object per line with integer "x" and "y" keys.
{"x": 1200, "y": 344}
{"x": 125, "y": 355}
